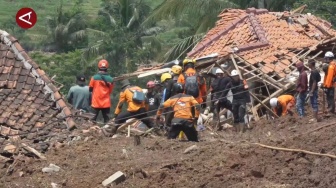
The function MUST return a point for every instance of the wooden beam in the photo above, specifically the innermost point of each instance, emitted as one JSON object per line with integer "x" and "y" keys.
{"x": 274, "y": 94}
{"x": 32, "y": 150}
{"x": 236, "y": 66}
{"x": 270, "y": 110}
{"x": 254, "y": 112}
{"x": 271, "y": 80}
{"x": 262, "y": 78}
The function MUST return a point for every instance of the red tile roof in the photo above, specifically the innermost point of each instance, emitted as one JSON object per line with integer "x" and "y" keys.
{"x": 28, "y": 99}
{"x": 263, "y": 38}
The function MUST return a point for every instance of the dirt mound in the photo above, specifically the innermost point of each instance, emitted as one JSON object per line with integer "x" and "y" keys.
{"x": 224, "y": 160}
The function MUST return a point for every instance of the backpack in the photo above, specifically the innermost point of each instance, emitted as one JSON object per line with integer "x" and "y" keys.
{"x": 138, "y": 96}
{"x": 191, "y": 85}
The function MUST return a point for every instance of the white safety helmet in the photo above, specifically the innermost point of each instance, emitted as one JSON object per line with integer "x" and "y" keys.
{"x": 234, "y": 73}
{"x": 219, "y": 71}
{"x": 329, "y": 54}
{"x": 274, "y": 102}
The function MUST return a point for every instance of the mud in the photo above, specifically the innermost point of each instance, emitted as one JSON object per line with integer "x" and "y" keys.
{"x": 226, "y": 159}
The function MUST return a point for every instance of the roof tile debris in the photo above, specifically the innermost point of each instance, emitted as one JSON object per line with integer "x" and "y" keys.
{"x": 265, "y": 40}
{"x": 263, "y": 43}
{"x": 28, "y": 99}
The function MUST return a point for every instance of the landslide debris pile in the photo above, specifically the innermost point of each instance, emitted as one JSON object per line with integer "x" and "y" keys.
{"x": 225, "y": 159}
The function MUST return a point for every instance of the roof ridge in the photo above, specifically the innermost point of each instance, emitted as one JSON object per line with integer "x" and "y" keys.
{"x": 231, "y": 26}
{"x": 39, "y": 75}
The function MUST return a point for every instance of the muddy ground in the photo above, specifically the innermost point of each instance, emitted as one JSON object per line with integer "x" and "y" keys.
{"x": 224, "y": 160}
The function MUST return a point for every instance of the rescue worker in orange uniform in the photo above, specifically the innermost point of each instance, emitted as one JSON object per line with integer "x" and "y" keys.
{"x": 283, "y": 105}
{"x": 183, "y": 117}
{"x": 136, "y": 108}
{"x": 329, "y": 80}
{"x": 101, "y": 85}
{"x": 189, "y": 73}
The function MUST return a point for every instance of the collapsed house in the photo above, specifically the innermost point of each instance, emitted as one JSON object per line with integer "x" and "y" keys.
{"x": 30, "y": 104}
{"x": 264, "y": 46}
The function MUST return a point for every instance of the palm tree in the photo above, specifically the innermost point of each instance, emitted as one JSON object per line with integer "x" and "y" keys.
{"x": 122, "y": 36}
{"x": 197, "y": 16}
{"x": 66, "y": 29}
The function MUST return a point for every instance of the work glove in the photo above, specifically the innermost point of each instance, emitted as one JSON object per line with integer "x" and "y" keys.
{"x": 157, "y": 121}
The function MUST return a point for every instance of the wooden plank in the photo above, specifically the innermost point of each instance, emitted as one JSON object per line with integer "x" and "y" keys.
{"x": 270, "y": 110}
{"x": 271, "y": 80}
{"x": 275, "y": 94}
{"x": 236, "y": 66}
{"x": 32, "y": 150}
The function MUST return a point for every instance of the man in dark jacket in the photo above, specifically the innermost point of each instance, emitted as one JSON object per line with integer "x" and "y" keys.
{"x": 153, "y": 99}
{"x": 219, "y": 92}
{"x": 301, "y": 89}
{"x": 315, "y": 77}
{"x": 241, "y": 97}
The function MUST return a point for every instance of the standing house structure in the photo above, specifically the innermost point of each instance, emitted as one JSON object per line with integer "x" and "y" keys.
{"x": 264, "y": 46}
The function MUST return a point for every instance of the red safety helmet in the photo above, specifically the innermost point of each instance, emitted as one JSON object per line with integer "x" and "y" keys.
{"x": 150, "y": 84}
{"x": 103, "y": 64}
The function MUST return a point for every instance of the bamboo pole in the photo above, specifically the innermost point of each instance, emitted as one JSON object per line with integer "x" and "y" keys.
{"x": 253, "y": 110}
{"x": 316, "y": 129}
{"x": 296, "y": 150}
{"x": 274, "y": 82}
{"x": 275, "y": 94}
{"x": 263, "y": 105}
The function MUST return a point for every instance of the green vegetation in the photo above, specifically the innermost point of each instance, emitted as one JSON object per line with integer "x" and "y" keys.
{"x": 72, "y": 35}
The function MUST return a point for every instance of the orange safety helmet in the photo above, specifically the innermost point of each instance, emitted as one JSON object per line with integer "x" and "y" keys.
{"x": 103, "y": 64}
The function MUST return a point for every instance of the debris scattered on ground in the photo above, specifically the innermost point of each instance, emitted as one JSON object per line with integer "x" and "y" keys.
{"x": 116, "y": 178}
{"x": 190, "y": 149}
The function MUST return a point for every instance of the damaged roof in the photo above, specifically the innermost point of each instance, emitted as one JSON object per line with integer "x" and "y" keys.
{"x": 265, "y": 40}
{"x": 261, "y": 40}
{"x": 28, "y": 98}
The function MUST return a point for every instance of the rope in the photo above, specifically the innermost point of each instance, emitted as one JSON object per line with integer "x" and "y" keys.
{"x": 129, "y": 117}
{"x": 145, "y": 113}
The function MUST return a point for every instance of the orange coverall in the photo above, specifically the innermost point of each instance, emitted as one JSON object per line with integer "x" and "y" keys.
{"x": 126, "y": 96}
{"x": 286, "y": 103}
{"x": 202, "y": 85}
{"x": 328, "y": 79}
{"x": 182, "y": 105}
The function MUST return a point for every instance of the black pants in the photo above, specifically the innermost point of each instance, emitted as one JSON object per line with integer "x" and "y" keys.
{"x": 221, "y": 104}
{"x": 169, "y": 117}
{"x": 105, "y": 112}
{"x": 239, "y": 110}
{"x": 140, "y": 114}
{"x": 184, "y": 125}
{"x": 330, "y": 99}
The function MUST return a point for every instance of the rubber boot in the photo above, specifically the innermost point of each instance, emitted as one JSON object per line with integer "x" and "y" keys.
{"x": 236, "y": 127}
{"x": 114, "y": 129}
{"x": 241, "y": 127}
